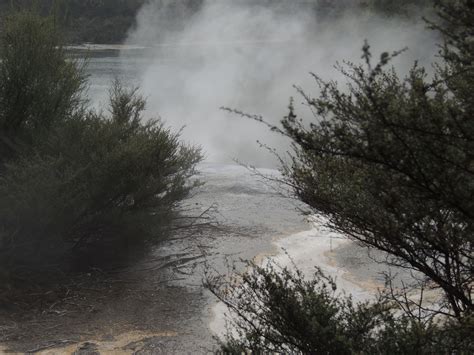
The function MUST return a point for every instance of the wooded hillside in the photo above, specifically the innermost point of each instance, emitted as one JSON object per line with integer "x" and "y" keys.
{"x": 97, "y": 21}
{"x": 108, "y": 21}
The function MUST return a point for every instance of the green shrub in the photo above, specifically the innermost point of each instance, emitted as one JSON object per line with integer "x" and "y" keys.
{"x": 39, "y": 87}
{"x": 275, "y": 310}
{"x": 96, "y": 180}
{"x": 78, "y": 180}
{"x": 388, "y": 162}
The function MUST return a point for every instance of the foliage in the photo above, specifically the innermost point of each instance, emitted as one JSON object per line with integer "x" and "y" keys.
{"x": 274, "y": 310}
{"x": 105, "y": 21}
{"x": 109, "y": 21}
{"x": 389, "y": 161}
{"x": 404, "y": 7}
{"x": 77, "y": 179}
{"x": 38, "y": 85}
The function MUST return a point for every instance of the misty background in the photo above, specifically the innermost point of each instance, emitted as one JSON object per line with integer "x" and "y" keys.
{"x": 196, "y": 57}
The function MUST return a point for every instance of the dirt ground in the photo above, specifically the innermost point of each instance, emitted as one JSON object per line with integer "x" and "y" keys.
{"x": 134, "y": 311}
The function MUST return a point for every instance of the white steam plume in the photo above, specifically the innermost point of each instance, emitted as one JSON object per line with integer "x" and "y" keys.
{"x": 241, "y": 55}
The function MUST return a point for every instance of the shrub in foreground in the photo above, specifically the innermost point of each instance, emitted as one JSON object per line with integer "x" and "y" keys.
{"x": 72, "y": 179}
{"x": 275, "y": 310}
{"x": 389, "y": 161}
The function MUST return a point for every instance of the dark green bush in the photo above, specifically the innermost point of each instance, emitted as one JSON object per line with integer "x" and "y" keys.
{"x": 388, "y": 162}
{"x": 274, "y": 310}
{"x": 39, "y": 87}
{"x": 74, "y": 180}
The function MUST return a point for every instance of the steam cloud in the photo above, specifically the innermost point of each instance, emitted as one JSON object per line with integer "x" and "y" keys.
{"x": 242, "y": 55}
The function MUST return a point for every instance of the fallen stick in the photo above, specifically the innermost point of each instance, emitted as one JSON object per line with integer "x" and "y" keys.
{"x": 51, "y": 345}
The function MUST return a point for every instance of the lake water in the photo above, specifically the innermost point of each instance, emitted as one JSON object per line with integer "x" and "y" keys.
{"x": 104, "y": 64}
{"x": 182, "y": 89}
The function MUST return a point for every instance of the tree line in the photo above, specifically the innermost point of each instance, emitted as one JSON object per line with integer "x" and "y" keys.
{"x": 108, "y": 21}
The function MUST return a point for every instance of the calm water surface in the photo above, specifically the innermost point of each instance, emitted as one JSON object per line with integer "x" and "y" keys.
{"x": 106, "y": 64}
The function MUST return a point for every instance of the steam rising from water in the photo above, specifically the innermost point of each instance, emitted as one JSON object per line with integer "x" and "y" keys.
{"x": 241, "y": 55}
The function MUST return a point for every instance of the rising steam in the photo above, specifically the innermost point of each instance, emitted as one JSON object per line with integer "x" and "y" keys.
{"x": 247, "y": 56}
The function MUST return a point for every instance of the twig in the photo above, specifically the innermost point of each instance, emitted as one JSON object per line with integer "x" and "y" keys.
{"x": 51, "y": 345}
